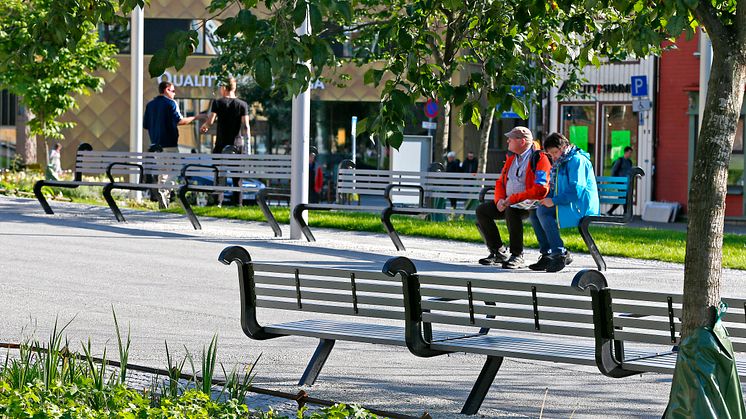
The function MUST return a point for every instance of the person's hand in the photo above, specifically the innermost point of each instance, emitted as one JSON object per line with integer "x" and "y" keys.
{"x": 204, "y": 128}
{"x": 547, "y": 202}
{"x": 502, "y": 204}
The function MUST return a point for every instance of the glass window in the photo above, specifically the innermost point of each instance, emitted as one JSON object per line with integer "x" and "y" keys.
{"x": 579, "y": 126}
{"x": 8, "y": 108}
{"x": 619, "y": 131}
{"x": 117, "y": 35}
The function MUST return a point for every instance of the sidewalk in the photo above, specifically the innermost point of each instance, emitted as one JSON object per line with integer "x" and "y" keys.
{"x": 164, "y": 280}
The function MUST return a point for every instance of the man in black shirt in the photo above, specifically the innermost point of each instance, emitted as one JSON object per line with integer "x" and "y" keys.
{"x": 232, "y": 114}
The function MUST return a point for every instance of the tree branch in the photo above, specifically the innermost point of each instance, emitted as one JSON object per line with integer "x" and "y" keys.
{"x": 707, "y": 16}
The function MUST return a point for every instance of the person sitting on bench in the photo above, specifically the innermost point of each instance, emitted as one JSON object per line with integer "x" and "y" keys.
{"x": 525, "y": 176}
{"x": 573, "y": 194}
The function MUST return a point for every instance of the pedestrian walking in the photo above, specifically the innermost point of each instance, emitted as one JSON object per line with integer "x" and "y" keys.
{"x": 232, "y": 116}
{"x": 162, "y": 118}
{"x": 54, "y": 166}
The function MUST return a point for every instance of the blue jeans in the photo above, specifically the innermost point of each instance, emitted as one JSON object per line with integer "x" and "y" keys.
{"x": 544, "y": 221}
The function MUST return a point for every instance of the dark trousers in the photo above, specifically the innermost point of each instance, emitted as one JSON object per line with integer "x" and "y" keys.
{"x": 487, "y": 213}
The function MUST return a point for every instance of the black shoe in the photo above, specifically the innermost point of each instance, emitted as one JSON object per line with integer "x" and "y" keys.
{"x": 556, "y": 264}
{"x": 495, "y": 258}
{"x": 541, "y": 264}
{"x": 568, "y": 258}
{"x": 515, "y": 262}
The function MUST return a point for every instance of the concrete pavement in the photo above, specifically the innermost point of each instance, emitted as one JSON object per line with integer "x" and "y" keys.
{"x": 163, "y": 278}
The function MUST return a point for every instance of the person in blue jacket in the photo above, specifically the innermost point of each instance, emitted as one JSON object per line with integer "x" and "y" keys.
{"x": 573, "y": 194}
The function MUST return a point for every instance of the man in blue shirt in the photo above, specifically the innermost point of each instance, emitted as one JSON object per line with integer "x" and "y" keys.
{"x": 162, "y": 116}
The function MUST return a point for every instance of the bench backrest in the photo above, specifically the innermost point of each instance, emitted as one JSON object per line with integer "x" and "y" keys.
{"x": 331, "y": 291}
{"x": 375, "y": 182}
{"x": 94, "y": 163}
{"x": 647, "y": 318}
{"x": 612, "y": 189}
{"x": 434, "y": 184}
{"x": 459, "y": 185}
{"x": 448, "y": 302}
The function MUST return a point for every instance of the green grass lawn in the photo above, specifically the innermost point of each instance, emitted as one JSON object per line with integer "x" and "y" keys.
{"x": 639, "y": 243}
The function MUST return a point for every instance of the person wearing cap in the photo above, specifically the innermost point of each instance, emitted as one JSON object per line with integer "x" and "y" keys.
{"x": 573, "y": 194}
{"x": 525, "y": 176}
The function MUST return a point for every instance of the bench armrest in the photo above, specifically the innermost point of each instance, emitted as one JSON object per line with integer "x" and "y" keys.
{"x": 112, "y": 165}
{"x": 634, "y": 173}
{"x": 390, "y": 188}
{"x": 206, "y": 166}
{"x": 485, "y": 190}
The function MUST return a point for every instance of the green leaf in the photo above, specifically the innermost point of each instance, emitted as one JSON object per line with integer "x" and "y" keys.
{"x": 476, "y": 117}
{"x": 315, "y": 17}
{"x": 395, "y": 139}
{"x": 299, "y": 13}
{"x": 263, "y": 72}
{"x": 459, "y": 95}
{"x": 465, "y": 113}
{"x": 158, "y": 63}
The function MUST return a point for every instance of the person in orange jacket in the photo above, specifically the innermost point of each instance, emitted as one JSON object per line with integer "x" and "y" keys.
{"x": 525, "y": 177}
{"x": 316, "y": 179}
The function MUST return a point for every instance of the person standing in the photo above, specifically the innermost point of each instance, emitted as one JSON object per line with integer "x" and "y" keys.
{"x": 453, "y": 165}
{"x": 315, "y": 179}
{"x": 54, "y": 167}
{"x": 621, "y": 167}
{"x": 162, "y": 118}
{"x": 573, "y": 194}
{"x": 469, "y": 165}
{"x": 525, "y": 176}
{"x": 232, "y": 115}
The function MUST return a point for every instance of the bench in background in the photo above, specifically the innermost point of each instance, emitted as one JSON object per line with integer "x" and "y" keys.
{"x": 431, "y": 187}
{"x": 611, "y": 190}
{"x": 90, "y": 163}
{"x": 351, "y": 180}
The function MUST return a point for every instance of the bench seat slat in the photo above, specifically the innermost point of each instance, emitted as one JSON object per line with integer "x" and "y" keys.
{"x": 525, "y": 348}
{"x": 568, "y": 329}
{"x": 322, "y": 308}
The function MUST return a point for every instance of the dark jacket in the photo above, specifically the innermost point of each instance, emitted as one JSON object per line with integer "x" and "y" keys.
{"x": 161, "y": 119}
{"x": 469, "y": 166}
{"x": 621, "y": 167}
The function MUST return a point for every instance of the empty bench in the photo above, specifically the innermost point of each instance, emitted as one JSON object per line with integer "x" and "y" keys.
{"x": 430, "y": 187}
{"x": 89, "y": 163}
{"x": 641, "y": 329}
{"x": 431, "y": 315}
{"x": 611, "y": 190}
{"x": 351, "y": 180}
{"x": 337, "y": 304}
{"x": 181, "y": 168}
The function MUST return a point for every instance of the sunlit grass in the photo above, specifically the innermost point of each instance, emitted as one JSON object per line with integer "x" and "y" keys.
{"x": 638, "y": 243}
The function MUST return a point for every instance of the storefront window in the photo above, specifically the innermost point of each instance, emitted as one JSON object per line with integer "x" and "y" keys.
{"x": 579, "y": 126}
{"x": 619, "y": 131}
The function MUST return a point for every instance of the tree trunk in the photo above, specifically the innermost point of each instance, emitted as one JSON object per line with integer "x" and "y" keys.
{"x": 488, "y": 116}
{"x": 704, "y": 245}
{"x": 26, "y": 143}
{"x": 442, "y": 134}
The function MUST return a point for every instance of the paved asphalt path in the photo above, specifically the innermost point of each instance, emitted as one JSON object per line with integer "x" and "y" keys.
{"x": 164, "y": 280}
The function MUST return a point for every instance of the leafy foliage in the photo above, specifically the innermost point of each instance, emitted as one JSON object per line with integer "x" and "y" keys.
{"x": 49, "y": 51}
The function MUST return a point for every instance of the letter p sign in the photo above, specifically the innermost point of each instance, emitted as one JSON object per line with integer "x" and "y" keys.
{"x": 639, "y": 86}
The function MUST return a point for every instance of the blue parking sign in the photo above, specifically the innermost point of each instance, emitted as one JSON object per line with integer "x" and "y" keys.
{"x": 639, "y": 86}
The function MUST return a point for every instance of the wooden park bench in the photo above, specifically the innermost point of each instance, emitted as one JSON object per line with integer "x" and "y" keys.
{"x": 181, "y": 168}
{"x": 437, "y": 187}
{"x": 89, "y": 163}
{"x": 611, "y": 190}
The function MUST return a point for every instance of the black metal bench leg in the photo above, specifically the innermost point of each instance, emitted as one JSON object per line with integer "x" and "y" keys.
{"x": 112, "y": 204}
{"x": 298, "y": 217}
{"x": 188, "y": 208}
{"x": 262, "y": 202}
{"x": 483, "y": 384}
{"x": 591, "y": 244}
{"x": 317, "y": 362}
{"x": 386, "y": 220}
{"x": 40, "y": 196}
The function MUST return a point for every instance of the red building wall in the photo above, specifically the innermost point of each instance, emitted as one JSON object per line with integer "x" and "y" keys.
{"x": 678, "y": 75}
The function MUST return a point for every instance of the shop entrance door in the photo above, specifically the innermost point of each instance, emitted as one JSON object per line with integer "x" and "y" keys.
{"x": 619, "y": 129}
